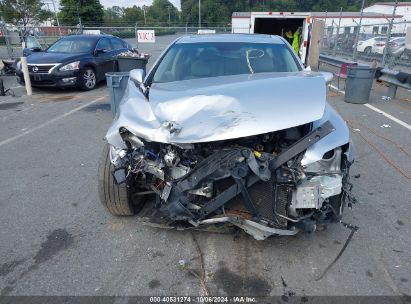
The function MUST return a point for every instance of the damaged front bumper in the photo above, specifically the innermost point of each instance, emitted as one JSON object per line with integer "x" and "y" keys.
{"x": 263, "y": 193}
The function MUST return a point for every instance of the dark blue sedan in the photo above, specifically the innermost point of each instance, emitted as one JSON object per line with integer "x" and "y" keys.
{"x": 74, "y": 61}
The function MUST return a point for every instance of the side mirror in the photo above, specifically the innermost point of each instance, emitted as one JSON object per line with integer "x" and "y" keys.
{"x": 36, "y": 49}
{"x": 99, "y": 51}
{"x": 327, "y": 76}
{"x": 137, "y": 75}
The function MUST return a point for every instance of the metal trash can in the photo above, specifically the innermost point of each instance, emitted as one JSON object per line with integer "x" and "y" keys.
{"x": 116, "y": 84}
{"x": 126, "y": 64}
{"x": 358, "y": 84}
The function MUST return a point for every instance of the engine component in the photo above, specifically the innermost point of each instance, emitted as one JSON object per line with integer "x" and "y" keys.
{"x": 311, "y": 193}
{"x": 258, "y": 179}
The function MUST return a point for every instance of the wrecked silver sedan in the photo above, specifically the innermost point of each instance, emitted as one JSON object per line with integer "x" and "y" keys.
{"x": 228, "y": 130}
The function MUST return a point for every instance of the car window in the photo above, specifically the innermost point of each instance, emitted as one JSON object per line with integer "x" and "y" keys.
{"x": 199, "y": 60}
{"x": 117, "y": 44}
{"x": 104, "y": 44}
{"x": 72, "y": 45}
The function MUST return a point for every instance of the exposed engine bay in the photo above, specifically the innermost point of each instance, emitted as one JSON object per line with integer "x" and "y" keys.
{"x": 256, "y": 183}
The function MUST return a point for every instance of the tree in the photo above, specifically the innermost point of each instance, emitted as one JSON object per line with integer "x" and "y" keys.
{"x": 113, "y": 16}
{"x": 158, "y": 13}
{"x": 132, "y": 15}
{"x": 24, "y": 13}
{"x": 90, "y": 11}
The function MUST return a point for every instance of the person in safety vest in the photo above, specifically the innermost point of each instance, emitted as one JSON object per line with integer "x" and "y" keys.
{"x": 296, "y": 40}
{"x": 289, "y": 36}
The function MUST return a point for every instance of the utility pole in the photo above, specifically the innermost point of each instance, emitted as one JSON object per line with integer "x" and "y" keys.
{"x": 384, "y": 56}
{"x": 169, "y": 17}
{"x": 357, "y": 36}
{"x": 338, "y": 32}
{"x": 199, "y": 13}
{"x": 57, "y": 18}
{"x": 144, "y": 13}
{"x": 79, "y": 18}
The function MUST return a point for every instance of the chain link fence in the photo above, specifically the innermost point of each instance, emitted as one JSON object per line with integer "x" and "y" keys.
{"x": 371, "y": 44}
{"x": 11, "y": 37}
{"x": 367, "y": 44}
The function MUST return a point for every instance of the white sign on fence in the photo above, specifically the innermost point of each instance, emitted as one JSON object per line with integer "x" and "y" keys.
{"x": 146, "y": 36}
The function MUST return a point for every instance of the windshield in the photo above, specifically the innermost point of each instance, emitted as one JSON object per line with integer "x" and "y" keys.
{"x": 199, "y": 60}
{"x": 72, "y": 45}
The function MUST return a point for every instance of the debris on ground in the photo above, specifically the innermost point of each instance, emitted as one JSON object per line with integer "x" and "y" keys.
{"x": 385, "y": 126}
{"x": 353, "y": 230}
{"x": 386, "y": 98}
{"x": 134, "y": 54}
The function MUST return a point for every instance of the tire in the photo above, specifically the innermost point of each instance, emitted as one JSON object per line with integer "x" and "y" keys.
{"x": 116, "y": 198}
{"x": 88, "y": 79}
{"x": 367, "y": 51}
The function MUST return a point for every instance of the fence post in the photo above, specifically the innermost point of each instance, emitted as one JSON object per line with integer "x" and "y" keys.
{"x": 354, "y": 55}
{"x": 26, "y": 75}
{"x": 136, "y": 34}
{"x": 384, "y": 55}
{"x": 338, "y": 32}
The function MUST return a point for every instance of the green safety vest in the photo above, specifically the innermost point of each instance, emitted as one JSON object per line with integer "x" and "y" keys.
{"x": 296, "y": 41}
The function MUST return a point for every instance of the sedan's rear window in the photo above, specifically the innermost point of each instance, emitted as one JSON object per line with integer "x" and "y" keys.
{"x": 72, "y": 45}
{"x": 199, "y": 60}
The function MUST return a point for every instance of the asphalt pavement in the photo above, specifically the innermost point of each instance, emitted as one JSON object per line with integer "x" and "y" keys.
{"x": 57, "y": 239}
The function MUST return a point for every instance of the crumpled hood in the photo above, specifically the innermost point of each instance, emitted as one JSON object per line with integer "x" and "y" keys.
{"x": 219, "y": 108}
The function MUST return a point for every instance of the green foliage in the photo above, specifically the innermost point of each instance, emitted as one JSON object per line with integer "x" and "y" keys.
{"x": 24, "y": 12}
{"x": 216, "y": 12}
{"x": 160, "y": 13}
{"x": 90, "y": 11}
{"x": 221, "y": 10}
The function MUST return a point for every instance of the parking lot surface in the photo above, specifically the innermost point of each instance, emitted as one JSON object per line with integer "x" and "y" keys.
{"x": 57, "y": 239}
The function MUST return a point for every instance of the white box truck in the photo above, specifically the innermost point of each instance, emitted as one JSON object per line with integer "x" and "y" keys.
{"x": 275, "y": 23}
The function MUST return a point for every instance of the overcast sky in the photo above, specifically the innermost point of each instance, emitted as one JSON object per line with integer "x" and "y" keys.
{"x": 128, "y": 3}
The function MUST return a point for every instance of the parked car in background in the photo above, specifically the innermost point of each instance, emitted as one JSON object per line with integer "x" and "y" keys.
{"x": 378, "y": 47}
{"x": 396, "y": 47}
{"x": 365, "y": 46}
{"x": 74, "y": 61}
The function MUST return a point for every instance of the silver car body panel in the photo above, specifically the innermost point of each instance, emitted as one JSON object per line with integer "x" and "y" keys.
{"x": 220, "y": 108}
{"x": 339, "y": 137}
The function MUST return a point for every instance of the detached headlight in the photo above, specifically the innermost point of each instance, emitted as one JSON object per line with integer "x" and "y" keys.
{"x": 71, "y": 66}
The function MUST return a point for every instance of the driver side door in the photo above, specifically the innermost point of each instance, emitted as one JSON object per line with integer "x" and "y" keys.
{"x": 105, "y": 57}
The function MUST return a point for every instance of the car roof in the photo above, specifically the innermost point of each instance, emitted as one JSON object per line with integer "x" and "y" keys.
{"x": 250, "y": 38}
{"x": 91, "y": 37}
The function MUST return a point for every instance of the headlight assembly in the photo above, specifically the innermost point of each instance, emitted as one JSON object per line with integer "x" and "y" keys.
{"x": 70, "y": 67}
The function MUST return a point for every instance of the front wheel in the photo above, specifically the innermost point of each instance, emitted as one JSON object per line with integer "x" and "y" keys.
{"x": 118, "y": 199}
{"x": 88, "y": 79}
{"x": 367, "y": 51}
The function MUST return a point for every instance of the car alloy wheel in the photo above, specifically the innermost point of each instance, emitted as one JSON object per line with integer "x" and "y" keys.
{"x": 89, "y": 79}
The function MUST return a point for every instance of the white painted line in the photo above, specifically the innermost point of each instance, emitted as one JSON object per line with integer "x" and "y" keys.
{"x": 11, "y": 139}
{"x": 336, "y": 89}
{"x": 398, "y": 121}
